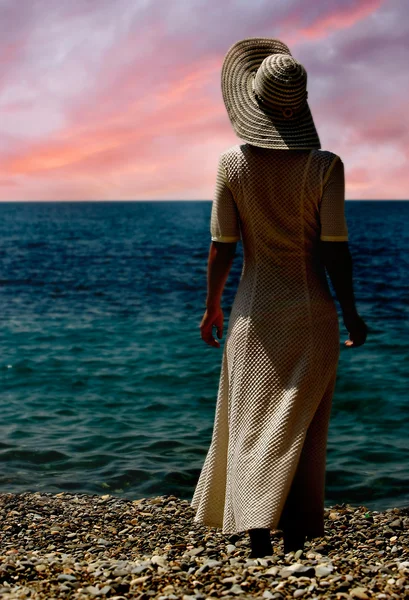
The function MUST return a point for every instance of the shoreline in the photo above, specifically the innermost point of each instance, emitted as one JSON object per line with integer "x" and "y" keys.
{"x": 85, "y": 546}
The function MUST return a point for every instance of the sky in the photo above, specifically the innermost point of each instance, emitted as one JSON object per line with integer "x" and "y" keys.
{"x": 121, "y": 99}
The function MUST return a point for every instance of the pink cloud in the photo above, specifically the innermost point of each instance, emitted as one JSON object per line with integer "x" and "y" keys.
{"x": 340, "y": 16}
{"x": 125, "y": 100}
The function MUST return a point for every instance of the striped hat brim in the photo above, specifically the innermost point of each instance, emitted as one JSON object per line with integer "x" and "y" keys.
{"x": 252, "y": 124}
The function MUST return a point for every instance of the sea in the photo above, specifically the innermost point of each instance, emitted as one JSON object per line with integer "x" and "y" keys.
{"x": 106, "y": 385}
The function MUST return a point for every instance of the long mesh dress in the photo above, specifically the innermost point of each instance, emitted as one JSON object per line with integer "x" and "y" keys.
{"x": 267, "y": 458}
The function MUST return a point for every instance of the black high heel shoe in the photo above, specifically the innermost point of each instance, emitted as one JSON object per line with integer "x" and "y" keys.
{"x": 260, "y": 543}
{"x": 293, "y": 541}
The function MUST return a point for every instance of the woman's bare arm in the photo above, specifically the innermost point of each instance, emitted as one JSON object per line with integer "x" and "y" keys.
{"x": 221, "y": 255}
{"x": 338, "y": 263}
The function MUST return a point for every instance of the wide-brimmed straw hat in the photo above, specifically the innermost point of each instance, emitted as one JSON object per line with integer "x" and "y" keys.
{"x": 265, "y": 92}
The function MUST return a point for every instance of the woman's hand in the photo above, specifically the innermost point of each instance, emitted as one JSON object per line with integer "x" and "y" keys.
{"x": 357, "y": 330}
{"x": 213, "y": 317}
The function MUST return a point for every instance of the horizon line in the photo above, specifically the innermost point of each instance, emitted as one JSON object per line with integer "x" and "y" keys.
{"x": 175, "y": 200}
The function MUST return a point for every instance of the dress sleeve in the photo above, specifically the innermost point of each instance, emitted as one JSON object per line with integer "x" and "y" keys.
{"x": 332, "y": 206}
{"x": 225, "y": 222}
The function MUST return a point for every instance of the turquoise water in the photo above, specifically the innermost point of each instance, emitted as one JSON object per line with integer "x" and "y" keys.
{"x": 106, "y": 386}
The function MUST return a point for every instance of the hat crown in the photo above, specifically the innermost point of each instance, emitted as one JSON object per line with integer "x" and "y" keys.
{"x": 281, "y": 81}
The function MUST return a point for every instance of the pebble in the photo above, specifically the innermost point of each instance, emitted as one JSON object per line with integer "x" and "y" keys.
{"x": 208, "y": 565}
{"x": 158, "y": 560}
{"x": 81, "y": 547}
{"x": 396, "y": 523}
{"x": 297, "y": 569}
{"x": 195, "y": 551}
{"x": 66, "y": 577}
{"x": 359, "y": 592}
{"x": 323, "y": 570}
{"x": 235, "y": 589}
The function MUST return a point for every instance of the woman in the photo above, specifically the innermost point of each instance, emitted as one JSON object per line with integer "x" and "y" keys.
{"x": 284, "y": 198}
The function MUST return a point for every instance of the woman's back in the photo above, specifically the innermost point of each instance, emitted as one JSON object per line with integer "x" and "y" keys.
{"x": 281, "y": 203}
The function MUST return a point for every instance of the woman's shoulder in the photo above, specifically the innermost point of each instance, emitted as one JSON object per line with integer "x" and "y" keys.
{"x": 243, "y": 149}
{"x": 325, "y": 160}
{"x": 242, "y": 154}
{"x": 232, "y": 151}
{"x": 237, "y": 154}
{"x": 326, "y": 155}
{"x": 231, "y": 159}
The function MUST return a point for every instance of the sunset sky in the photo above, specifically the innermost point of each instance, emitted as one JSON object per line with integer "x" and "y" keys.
{"x": 121, "y": 99}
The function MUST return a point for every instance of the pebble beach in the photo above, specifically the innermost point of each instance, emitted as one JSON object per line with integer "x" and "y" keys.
{"x": 82, "y": 546}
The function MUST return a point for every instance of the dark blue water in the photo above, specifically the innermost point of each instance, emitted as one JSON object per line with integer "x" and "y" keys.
{"x": 106, "y": 386}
